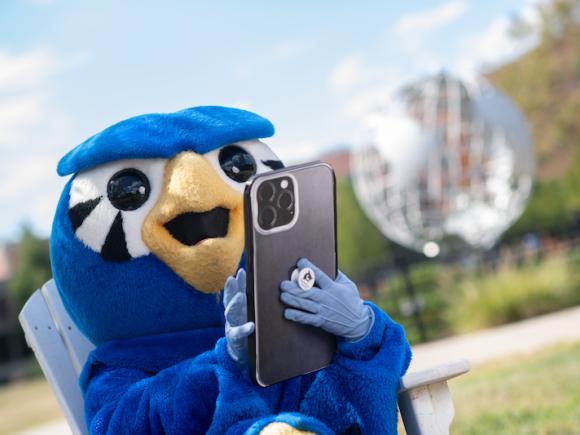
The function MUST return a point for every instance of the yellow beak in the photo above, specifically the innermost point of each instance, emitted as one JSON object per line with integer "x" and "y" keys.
{"x": 196, "y": 227}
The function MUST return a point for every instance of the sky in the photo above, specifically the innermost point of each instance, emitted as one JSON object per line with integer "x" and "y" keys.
{"x": 315, "y": 69}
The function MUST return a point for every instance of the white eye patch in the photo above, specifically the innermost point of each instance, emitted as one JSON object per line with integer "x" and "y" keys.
{"x": 108, "y": 205}
{"x": 236, "y": 163}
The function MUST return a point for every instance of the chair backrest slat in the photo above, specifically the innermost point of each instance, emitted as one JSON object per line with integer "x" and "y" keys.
{"x": 77, "y": 345}
{"x": 54, "y": 354}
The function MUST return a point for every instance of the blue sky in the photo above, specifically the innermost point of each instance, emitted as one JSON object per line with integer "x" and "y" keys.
{"x": 69, "y": 69}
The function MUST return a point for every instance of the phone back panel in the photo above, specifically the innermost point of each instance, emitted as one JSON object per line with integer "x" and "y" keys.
{"x": 281, "y": 349}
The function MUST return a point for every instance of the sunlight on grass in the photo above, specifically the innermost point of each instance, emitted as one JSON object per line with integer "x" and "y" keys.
{"x": 536, "y": 394}
{"x": 27, "y": 404}
{"x": 533, "y": 394}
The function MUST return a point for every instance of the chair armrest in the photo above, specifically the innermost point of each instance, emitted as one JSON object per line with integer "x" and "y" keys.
{"x": 425, "y": 401}
{"x": 434, "y": 375}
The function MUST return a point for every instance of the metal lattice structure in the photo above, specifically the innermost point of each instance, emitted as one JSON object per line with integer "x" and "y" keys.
{"x": 445, "y": 158}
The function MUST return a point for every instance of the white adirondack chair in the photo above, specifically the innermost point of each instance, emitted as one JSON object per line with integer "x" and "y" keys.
{"x": 424, "y": 399}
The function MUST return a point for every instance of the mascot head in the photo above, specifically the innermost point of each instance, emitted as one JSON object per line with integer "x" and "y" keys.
{"x": 151, "y": 223}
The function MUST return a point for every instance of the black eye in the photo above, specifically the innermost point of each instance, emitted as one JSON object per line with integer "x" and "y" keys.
{"x": 237, "y": 163}
{"x": 128, "y": 189}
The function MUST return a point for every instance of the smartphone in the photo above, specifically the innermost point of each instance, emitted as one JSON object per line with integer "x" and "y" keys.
{"x": 289, "y": 214}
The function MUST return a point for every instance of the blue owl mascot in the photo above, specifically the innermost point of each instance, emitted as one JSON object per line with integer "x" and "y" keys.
{"x": 147, "y": 254}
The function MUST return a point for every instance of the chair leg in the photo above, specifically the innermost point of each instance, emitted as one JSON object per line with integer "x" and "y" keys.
{"x": 427, "y": 410}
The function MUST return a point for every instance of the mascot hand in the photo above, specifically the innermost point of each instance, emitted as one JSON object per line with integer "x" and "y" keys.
{"x": 236, "y": 313}
{"x": 333, "y": 305}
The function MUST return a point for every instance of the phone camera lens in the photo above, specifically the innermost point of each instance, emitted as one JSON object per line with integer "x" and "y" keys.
{"x": 267, "y": 217}
{"x": 267, "y": 191}
{"x": 285, "y": 200}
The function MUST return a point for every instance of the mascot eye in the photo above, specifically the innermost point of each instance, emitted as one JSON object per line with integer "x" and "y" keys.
{"x": 237, "y": 163}
{"x": 128, "y": 189}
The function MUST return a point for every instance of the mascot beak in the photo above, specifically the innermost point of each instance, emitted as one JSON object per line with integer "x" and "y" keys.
{"x": 196, "y": 227}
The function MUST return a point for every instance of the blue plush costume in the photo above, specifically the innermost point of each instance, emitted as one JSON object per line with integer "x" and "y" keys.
{"x": 123, "y": 260}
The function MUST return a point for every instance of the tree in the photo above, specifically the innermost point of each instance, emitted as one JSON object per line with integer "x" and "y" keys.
{"x": 32, "y": 266}
{"x": 361, "y": 247}
{"x": 544, "y": 84}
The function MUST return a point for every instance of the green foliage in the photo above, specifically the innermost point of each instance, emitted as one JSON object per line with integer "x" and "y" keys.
{"x": 546, "y": 212}
{"x": 361, "y": 247}
{"x": 430, "y": 281}
{"x": 553, "y": 208}
{"x": 456, "y": 301}
{"x": 544, "y": 84}
{"x": 535, "y": 394}
{"x": 32, "y": 268}
{"x": 514, "y": 294}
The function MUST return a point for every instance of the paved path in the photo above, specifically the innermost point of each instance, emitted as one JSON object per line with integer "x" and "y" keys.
{"x": 516, "y": 338}
{"x": 479, "y": 347}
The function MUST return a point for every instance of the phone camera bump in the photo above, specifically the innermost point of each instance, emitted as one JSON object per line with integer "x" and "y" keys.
{"x": 276, "y": 203}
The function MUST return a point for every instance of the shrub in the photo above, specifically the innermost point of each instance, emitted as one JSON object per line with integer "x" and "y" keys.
{"x": 514, "y": 294}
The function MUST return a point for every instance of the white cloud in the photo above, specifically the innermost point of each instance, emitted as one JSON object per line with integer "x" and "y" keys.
{"x": 413, "y": 32}
{"x": 17, "y": 115}
{"x": 356, "y": 71}
{"x": 361, "y": 104}
{"x": 26, "y": 69}
{"x": 426, "y": 21}
{"x": 29, "y": 191}
{"x": 367, "y": 84}
{"x": 25, "y": 96}
{"x": 26, "y": 175}
{"x": 496, "y": 45}
{"x": 33, "y": 134}
{"x": 348, "y": 72}
{"x": 29, "y": 111}
{"x": 363, "y": 85}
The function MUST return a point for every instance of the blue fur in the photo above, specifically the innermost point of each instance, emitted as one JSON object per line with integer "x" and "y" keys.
{"x": 162, "y": 135}
{"x": 109, "y": 300}
{"x": 168, "y": 384}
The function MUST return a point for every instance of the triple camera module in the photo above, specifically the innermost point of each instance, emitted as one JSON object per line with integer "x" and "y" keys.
{"x": 276, "y": 203}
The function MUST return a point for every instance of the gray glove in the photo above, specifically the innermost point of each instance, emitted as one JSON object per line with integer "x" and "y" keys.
{"x": 236, "y": 312}
{"x": 333, "y": 305}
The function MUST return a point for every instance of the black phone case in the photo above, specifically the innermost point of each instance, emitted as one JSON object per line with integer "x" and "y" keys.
{"x": 280, "y": 349}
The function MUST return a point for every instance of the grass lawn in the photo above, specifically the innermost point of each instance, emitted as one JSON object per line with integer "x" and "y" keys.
{"x": 536, "y": 394}
{"x": 26, "y": 404}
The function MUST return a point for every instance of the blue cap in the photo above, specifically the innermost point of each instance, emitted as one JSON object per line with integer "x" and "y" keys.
{"x": 163, "y": 135}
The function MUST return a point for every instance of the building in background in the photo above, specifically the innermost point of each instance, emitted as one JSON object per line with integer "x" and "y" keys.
{"x": 7, "y": 263}
{"x": 339, "y": 159}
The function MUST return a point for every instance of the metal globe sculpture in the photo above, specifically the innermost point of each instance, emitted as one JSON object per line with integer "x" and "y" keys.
{"x": 446, "y": 160}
